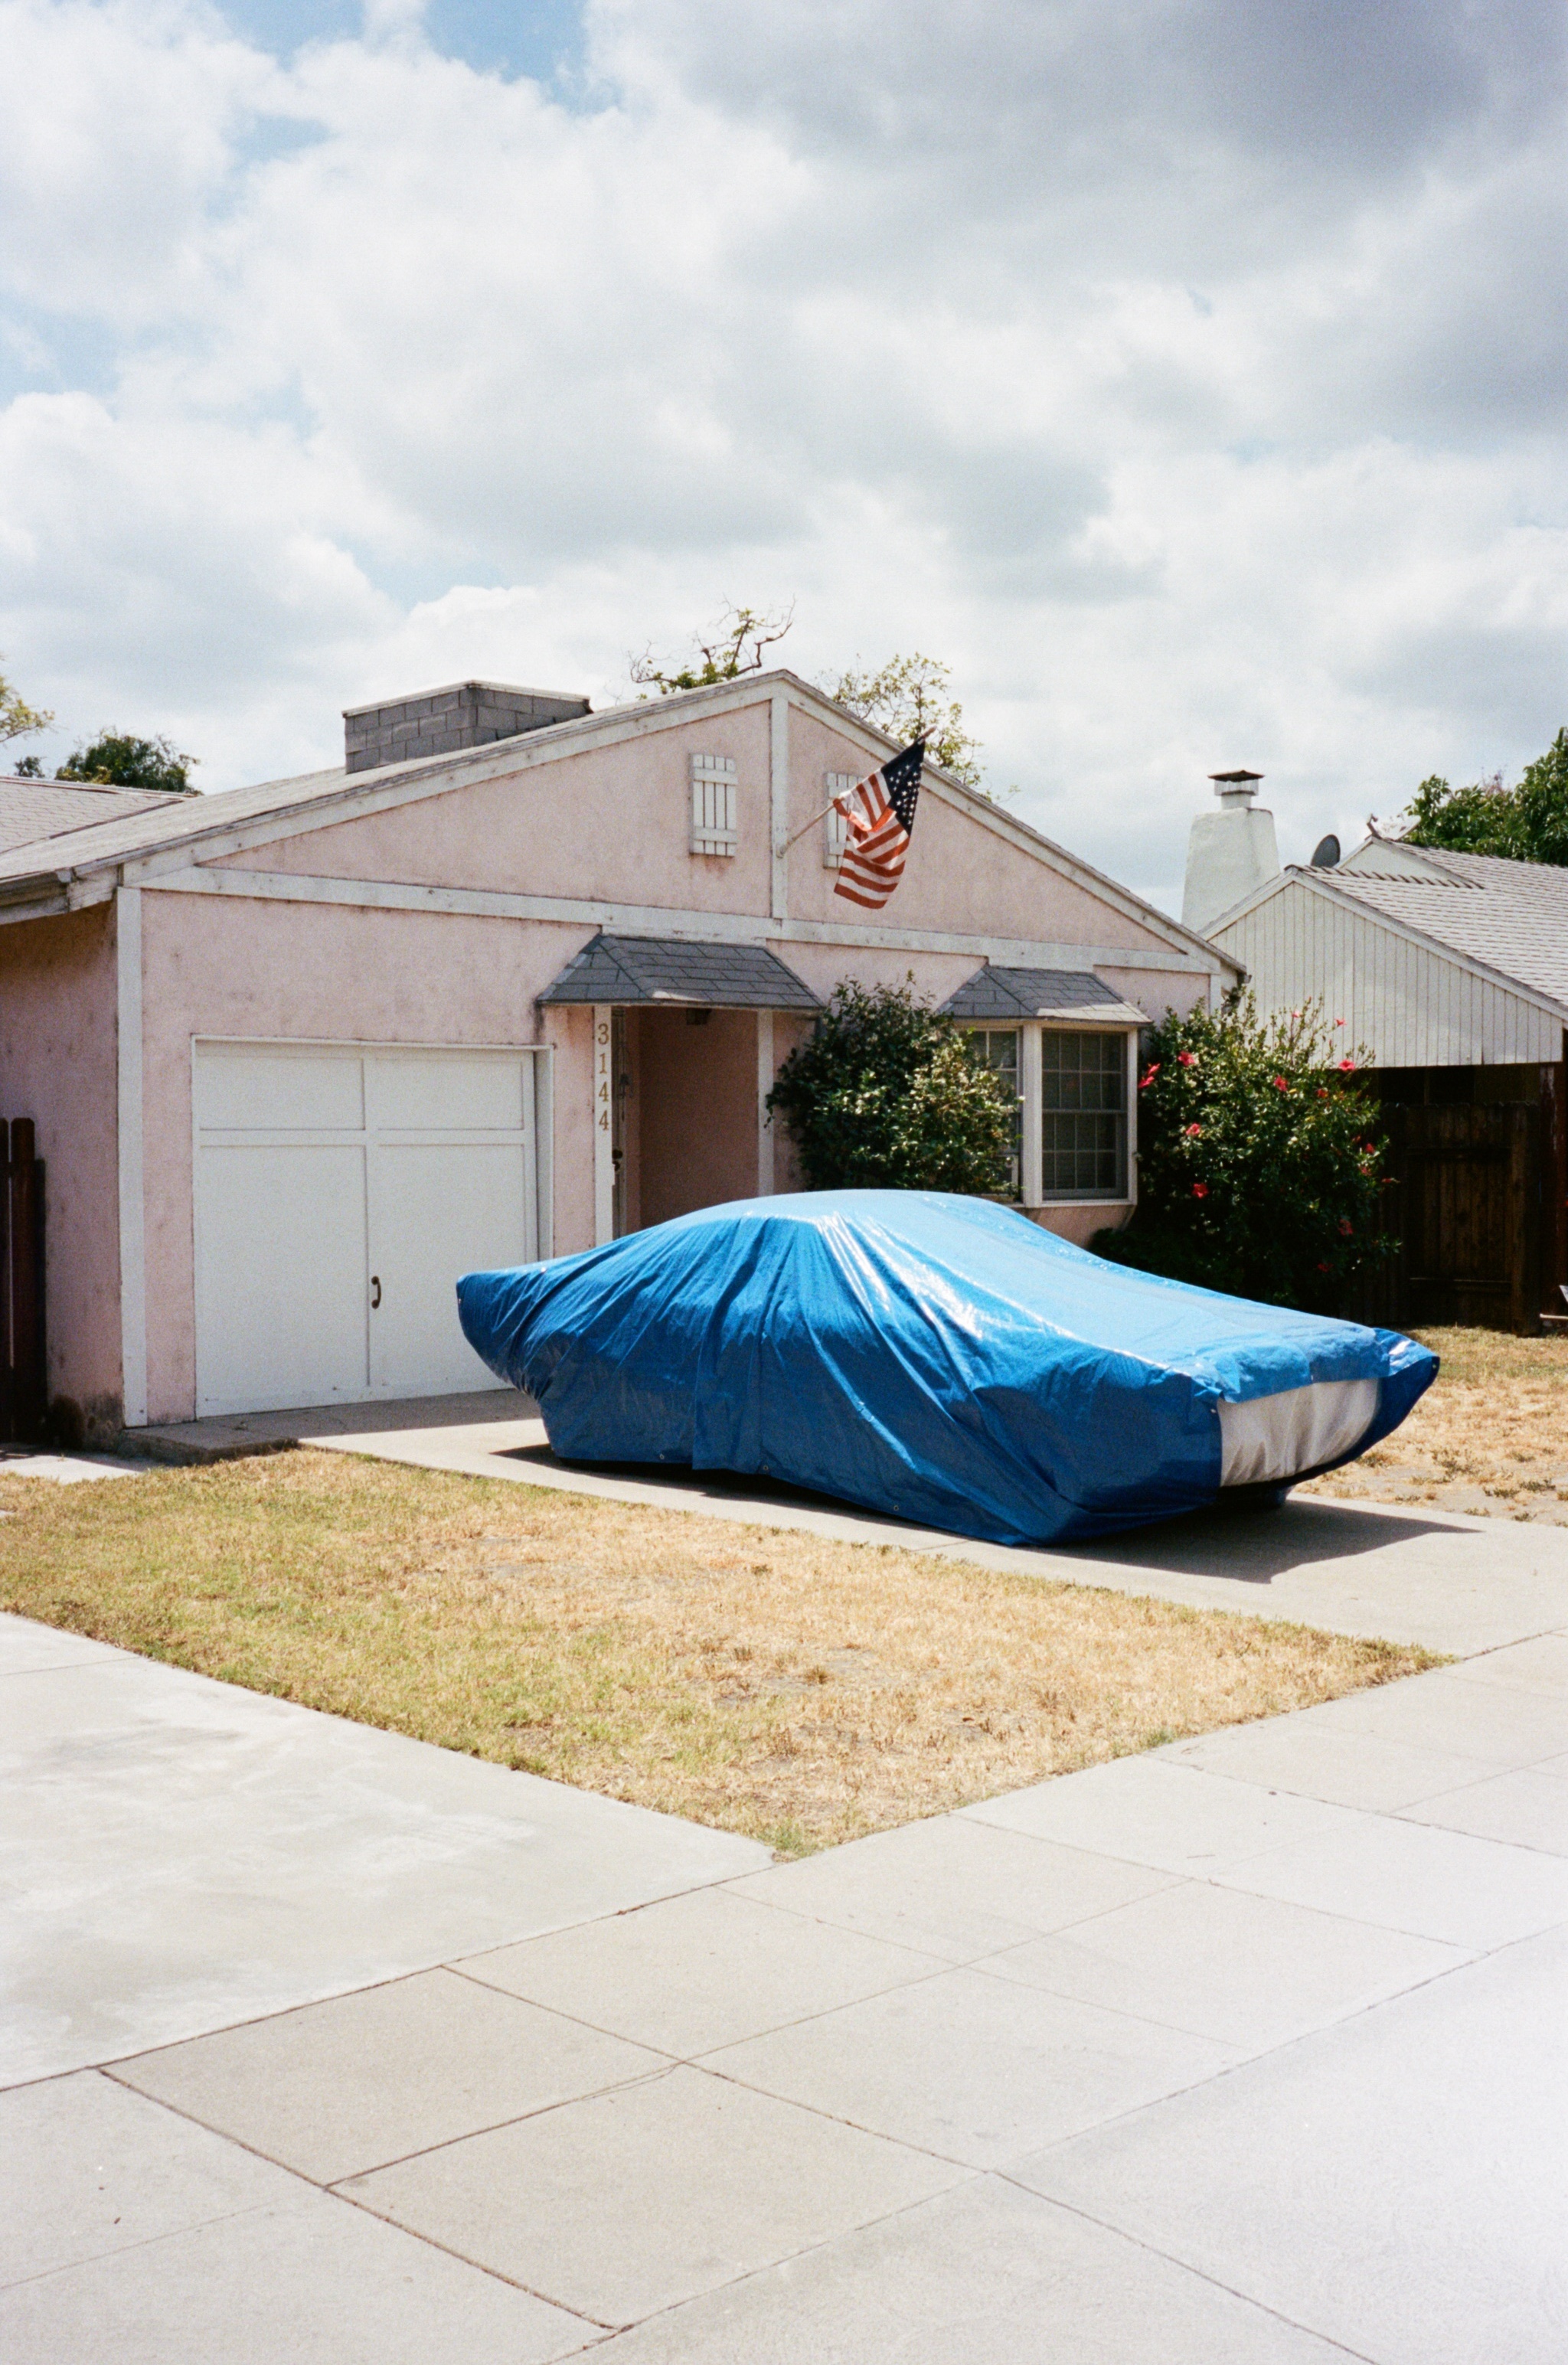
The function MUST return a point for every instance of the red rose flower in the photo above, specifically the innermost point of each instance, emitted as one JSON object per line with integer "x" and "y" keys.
{"x": 1200, "y": 1190}
{"x": 1346, "y": 1067}
{"x": 1187, "y": 1059}
{"x": 1191, "y": 1131}
{"x": 1148, "y": 1076}
{"x": 1281, "y": 1084}
{"x": 1346, "y": 1227}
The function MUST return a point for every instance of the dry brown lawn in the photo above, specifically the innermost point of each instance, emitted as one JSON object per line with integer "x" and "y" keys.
{"x": 783, "y": 1684}
{"x": 1489, "y": 1436}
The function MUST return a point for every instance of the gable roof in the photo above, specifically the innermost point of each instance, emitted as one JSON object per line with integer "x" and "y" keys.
{"x": 1516, "y": 927}
{"x": 632, "y": 969}
{"x": 1508, "y": 919}
{"x": 1007, "y": 995}
{"x": 33, "y": 812}
{"x": 202, "y": 828}
{"x": 1398, "y": 858}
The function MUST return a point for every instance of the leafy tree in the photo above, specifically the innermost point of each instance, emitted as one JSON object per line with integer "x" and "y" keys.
{"x": 119, "y": 759}
{"x": 909, "y": 699}
{"x": 19, "y": 720}
{"x": 739, "y": 644}
{"x": 886, "y": 1095}
{"x": 1525, "y": 824}
{"x": 1260, "y": 1161}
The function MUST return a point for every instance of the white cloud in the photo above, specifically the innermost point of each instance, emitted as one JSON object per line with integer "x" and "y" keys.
{"x": 1186, "y": 375}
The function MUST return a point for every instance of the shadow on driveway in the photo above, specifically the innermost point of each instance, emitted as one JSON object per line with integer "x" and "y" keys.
{"x": 1247, "y": 1544}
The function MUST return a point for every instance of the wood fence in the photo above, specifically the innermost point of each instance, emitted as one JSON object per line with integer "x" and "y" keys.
{"x": 24, "y": 1390}
{"x": 1465, "y": 1206}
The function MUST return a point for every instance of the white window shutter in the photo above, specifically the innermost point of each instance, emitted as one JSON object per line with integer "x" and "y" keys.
{"x": 713, "y": 818}
{"x": 835, "y": 829}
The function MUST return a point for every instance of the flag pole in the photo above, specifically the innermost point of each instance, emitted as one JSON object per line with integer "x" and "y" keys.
{"x": 832, "y": 805}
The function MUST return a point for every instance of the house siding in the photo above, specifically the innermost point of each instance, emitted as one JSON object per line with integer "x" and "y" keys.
{"x": 58, "y": 1066}
{"x": 1405, "y": 1003}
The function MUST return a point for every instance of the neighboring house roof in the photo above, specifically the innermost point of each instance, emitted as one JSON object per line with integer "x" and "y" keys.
{"x": 1398, "y": 858}
{"x": 631, "y": 970}
{"x": 32, "y": 812}
{"x": 1007, "y": 995}
{"x": 1506, "y": 921}
{"x": 201, "y": 827}
{"x": 1516, "y": 926}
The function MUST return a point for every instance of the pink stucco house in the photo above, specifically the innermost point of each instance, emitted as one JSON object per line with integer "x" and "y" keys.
{"x": 516, "y": 978}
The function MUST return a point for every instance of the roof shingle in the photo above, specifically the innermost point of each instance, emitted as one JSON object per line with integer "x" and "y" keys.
{"x": 1007, "y": 995}
{"x": 631, "y": 970}
{"x": 34, "y": 811}
{"x": 1511, "y": 915}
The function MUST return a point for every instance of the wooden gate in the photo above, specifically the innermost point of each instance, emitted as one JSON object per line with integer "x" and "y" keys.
{"x": 24, "y": 1392}
{"x": 1465, "y": 1205}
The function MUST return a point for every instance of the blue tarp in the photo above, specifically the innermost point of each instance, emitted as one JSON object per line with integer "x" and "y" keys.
{"x": 941, "y": 1359}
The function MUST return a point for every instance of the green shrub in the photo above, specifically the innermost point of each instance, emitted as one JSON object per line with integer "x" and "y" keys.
{"x": 120, "y": 759}
{"x": 886, "y": 1095}
{"x": 1528, "y": 822}
{"x": 1259, "y": 1159}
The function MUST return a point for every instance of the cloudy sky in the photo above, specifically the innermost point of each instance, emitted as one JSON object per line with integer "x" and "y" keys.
{"x": 1190, "y": 374}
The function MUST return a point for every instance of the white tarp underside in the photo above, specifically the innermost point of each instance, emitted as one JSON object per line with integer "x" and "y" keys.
{"x": 1279, "y": 1436}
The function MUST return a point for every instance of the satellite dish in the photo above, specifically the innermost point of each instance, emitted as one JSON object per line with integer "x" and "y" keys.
{"x": 1326, "y": 853}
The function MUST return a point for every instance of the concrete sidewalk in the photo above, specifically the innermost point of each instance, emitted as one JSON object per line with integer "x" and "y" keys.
{"x": 1250, "y": 2051}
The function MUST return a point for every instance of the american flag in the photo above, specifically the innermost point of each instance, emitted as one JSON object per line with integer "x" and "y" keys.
{"x": 880, "y": 813}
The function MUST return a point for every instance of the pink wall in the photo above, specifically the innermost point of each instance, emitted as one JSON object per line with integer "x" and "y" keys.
{"x": 1157, "y": 991}
{"x": 609, "y": 824}
{"x": 58, "y": 1066}
{"x": 570, "y": 1029}
{"x": 1082, "y": 1221}
{"x": 961, "y": 876}
{"x": 696, "y": 1116}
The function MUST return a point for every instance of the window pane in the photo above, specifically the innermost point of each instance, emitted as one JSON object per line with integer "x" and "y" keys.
{"x": 996, "y": 1048}
{"x": 1083, "y": 1154}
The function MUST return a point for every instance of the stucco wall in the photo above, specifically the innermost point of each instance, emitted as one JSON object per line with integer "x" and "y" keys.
{"x": 697, "y": 1116}
{"x": 608, "y": 824}
{"x": 58, "y": 1066}
{"x": 612, "y": 823}
{"x": 961, "y": 876}
{"x": 1157, "y": 991}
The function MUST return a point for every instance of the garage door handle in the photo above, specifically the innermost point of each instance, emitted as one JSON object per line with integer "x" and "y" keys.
{"x": 375, "y": 1291}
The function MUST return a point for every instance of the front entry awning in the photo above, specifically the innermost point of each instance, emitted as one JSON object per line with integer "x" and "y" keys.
{"x": 632, "y": 971}
{"x": 1001, "y": 997}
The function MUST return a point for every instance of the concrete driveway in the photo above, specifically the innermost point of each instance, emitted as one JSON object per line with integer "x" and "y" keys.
{"x": 1441, "y": 1578}
{"x": 324, "y": 2044}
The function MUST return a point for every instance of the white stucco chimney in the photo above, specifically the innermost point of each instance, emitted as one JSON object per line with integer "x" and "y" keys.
{"x": 1228, "y": 853}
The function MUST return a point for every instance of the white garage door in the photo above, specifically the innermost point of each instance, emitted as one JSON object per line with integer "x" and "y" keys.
{"x": 338, "y": 1195}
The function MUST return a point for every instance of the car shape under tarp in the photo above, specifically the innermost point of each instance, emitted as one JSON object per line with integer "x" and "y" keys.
{"x": 940, "y": 1359}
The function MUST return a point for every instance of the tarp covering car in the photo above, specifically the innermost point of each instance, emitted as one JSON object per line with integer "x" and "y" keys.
{"x": 941, "y": 1359}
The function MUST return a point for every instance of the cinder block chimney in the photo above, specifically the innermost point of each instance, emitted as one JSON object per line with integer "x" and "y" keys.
{"x": 1228, "y": 853}
{"x": 440, "y": 721}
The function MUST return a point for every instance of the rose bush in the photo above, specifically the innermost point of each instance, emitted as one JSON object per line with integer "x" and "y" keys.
{"x": 1261, "y": 1160}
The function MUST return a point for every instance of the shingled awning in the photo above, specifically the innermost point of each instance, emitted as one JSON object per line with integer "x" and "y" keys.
{"x": 650, "y": 969}
{"x": 1002, "y": 996}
